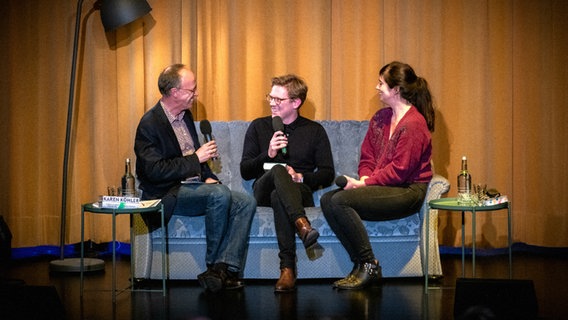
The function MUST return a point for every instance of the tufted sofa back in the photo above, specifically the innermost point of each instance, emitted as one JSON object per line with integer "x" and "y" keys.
{"x": 345, "y": 138}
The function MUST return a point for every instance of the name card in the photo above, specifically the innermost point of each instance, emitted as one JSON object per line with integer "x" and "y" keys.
{"x": 120, "y": 202}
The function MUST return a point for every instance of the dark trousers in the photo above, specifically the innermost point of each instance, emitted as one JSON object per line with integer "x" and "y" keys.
{"x": 287, "y": 199}
{"x": 345, "y": 211}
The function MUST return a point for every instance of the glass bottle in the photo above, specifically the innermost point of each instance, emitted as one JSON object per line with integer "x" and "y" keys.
{"x": 464, "y": 183}
{"x": 128, "y": 181}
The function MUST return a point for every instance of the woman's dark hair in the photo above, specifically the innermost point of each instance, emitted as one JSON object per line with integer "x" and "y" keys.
{"x": 412, "y": 88}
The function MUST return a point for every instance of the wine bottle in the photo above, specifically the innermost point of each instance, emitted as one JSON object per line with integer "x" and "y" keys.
{"x": 128, "y": 181}
{"x": 464, "y": 182}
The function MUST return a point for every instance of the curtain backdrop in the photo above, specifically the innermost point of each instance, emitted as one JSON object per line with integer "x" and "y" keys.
{"x": 496, "y": 68}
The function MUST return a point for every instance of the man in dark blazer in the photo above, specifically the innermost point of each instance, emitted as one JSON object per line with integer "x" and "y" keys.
{"x": 172, "y": 165}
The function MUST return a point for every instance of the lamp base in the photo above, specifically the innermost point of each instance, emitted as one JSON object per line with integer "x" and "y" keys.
{"x": 74, "y": 265}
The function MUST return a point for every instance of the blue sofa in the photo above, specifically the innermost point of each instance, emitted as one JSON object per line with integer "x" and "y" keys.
{"x": 398, "y": 244}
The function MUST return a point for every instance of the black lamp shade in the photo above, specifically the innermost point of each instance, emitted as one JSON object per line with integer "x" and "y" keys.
{"x": 116, "y": 13}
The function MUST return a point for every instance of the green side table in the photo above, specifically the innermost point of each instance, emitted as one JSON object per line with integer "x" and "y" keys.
{"x": 94, "y": 208}
{"x": 451, "y": 204}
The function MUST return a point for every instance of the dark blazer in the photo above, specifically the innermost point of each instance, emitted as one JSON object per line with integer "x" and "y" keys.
{"x": 160, "y": 165}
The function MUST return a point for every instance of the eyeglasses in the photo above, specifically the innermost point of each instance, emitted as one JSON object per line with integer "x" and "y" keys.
{"x": 276, "y": 100}
{"x": 192, "y": 92}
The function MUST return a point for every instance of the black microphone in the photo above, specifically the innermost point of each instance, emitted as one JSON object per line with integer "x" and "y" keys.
{"x": 205, "y": 127}
{"x": 341, "y": 181}
{"x": 278, "y": 125}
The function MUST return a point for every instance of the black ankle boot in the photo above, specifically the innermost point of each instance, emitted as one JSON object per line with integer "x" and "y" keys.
{"x": 349, "y": 278}
{"x": 363, "y": 277}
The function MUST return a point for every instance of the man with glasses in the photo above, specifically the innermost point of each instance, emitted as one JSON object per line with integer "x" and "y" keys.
{"x": 172, "y": 165}
{"x": 288, "y": 164}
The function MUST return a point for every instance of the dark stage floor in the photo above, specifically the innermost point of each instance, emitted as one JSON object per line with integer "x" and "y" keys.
{"x": 47, "y": 295}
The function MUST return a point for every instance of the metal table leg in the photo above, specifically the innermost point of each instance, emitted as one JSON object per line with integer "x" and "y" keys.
{"x": 113, "y": 256}
{"x": 509, "y": 239}
{"x": 463, "y": 243}
{"x": 82, "y": 263}
{"x": 473, "y": 218}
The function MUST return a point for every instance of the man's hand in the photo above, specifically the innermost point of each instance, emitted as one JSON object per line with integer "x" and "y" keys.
{"x": 279, "y": 140}
{"x": 207, "y": 151}
{"x": 211, "y": 181}
{"x": 296, "y": 177}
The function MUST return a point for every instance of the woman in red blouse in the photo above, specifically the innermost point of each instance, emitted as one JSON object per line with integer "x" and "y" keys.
{"x": 394, "y": 170}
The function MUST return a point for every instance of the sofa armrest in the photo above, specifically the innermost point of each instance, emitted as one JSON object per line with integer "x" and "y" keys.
{"x": 437, "y": 187}
{"x": 141, "y": 248}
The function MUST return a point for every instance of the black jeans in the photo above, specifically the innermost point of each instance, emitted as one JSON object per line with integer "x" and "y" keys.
{"x": 345, "y": 211}
{"x": 288, "y": 199}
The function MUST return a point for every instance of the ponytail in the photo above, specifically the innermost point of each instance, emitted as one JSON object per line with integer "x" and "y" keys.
{"x": 423, "y": 102}
{"x": 412, "y": 88}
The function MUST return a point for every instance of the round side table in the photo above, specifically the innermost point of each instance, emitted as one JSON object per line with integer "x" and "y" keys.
{"x": 95, "y": 208}
{"x": 451, "y": 204}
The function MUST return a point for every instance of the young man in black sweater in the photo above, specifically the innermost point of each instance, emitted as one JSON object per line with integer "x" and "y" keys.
{"x": 301, "y": 151}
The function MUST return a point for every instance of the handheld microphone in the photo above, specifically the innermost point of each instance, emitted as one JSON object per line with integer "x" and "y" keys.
{"x": 205, "y": 127}
{"x": 278, "y": 125}
{"x": 341, "y": 181}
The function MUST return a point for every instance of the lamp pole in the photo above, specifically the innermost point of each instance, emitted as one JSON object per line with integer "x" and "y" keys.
{"x": 114, "y": 13}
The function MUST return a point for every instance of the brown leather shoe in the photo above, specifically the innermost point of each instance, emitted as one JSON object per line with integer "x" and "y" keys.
{"x": 307, "y": 234}
{"x": 287, "y": 281}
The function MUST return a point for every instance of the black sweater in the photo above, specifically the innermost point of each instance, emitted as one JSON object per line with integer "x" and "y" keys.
{"x": 308, "y": 151}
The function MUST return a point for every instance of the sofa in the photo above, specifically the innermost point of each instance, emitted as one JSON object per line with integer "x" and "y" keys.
{"x": 398, "y": 244}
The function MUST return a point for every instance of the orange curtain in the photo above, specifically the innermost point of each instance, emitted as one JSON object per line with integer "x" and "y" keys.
{"x": 496, "y": 69}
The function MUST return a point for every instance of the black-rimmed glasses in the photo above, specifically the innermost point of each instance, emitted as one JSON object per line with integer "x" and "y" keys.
{"x": 276, "y": 100}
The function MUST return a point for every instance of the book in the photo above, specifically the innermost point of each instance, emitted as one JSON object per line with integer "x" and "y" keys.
{"x": 116, "y": 202}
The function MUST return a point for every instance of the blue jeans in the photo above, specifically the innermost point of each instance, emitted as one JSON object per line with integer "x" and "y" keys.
{"x": 345, "y": 211}
{"x": 228, "y": 217}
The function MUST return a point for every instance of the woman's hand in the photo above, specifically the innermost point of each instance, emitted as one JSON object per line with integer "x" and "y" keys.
{"x": 353, "y": 183}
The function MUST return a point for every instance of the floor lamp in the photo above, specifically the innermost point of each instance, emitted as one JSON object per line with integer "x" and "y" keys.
{"x": 114, "y": 14}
